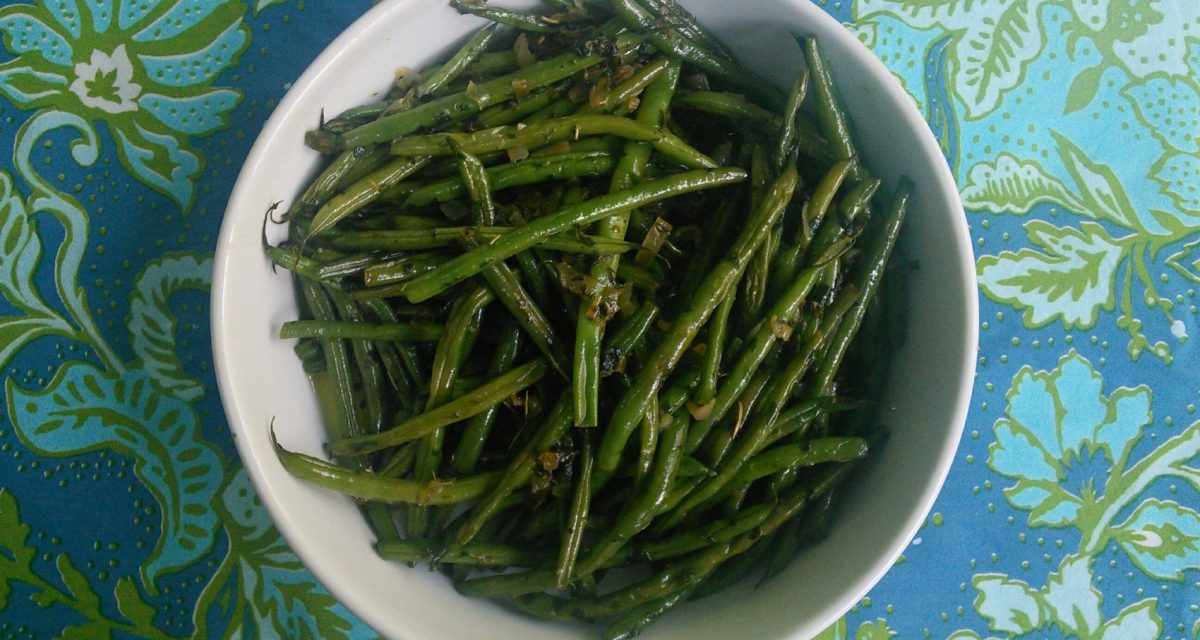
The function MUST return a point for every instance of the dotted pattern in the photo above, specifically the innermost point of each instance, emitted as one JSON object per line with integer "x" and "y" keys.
{"x": 24, "y": 33}
{"x": 190, "y": 69}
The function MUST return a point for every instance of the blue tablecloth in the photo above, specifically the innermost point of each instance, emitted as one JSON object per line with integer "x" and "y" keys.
{"x": 1072, "y": 126}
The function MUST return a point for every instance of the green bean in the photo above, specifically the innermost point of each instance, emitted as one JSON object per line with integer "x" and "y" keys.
{"x": 721, "y": 224}
{"x": 534, "y": 280}
{"x": 289, "y": 258}
{"x": 480, "y": 554}
{"x": 508, "y": 584}
{"x": 690, "y": 51}
{"x": 576, "y": 518}
{"x": 518, "y": 174}
{"x": 464, "y": 104}
{"x": 354, "y": 116}
{"x": 736, "y": 568}
{"x": 787, "y": 132}
{"x": 822, "y": 198}
{"x": 517, "y": 474}
{"x": 835, "y": 126}
{"x": 550, "y": 131}
{"x": 423, "y": 239}
{"x": 867, "y": 282}
{"x": 460, "y": 61}
{"x": 718, "y": 444}
{"x": 589, "y": 328}
{"x": 363, "y": 192}
{"x": 402, "y": 269}
{"x": 369, "y": 486}
{"x": 348, "y": 422}
{"x": 639, "y": 513}
{"x": 537, "y": 231}
{"x": 492, "y": 63}
{"x": 516, "y": 19}
{"x": 370, "y": 378}
{"x": 793, "y": 538}
{"x": 632, "y": 86}
{"x": 733, "y": 106}
{"x": 688, "y": 572}
{"x": 408, "y": 354}
{"x": 475, "y": 435}
{"x": 379, "y": 519}
{"x": 777, "y": 324}
{"x": 714, "y": 349}
{"x": 503, "y": 282}
{"x": 560, "y": 108}
{"x": 448, "y": 413}
{"x": 852, "y": 207}
{"x": 639, "y": 617}
{"x": 347, "y": 167}
{"x": 627, "y": 337}
{"x": 352, "y": 264}
{"x": 765, "y": 416}
{"x": 502, "y": 114}
{"x": 813, "y": 452}
{"x": 462, "y": 328}
{"x": 677, "y": 17}
{"x": 358, "y": 330}
{"x": 688, "y": 323}
{"x": 707, "y": 534}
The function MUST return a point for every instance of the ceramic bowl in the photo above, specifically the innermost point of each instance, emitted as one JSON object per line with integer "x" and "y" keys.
{"x": 926, "y": 398}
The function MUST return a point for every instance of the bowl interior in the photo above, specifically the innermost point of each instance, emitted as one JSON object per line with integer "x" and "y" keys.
{"x": 926, "y": 397}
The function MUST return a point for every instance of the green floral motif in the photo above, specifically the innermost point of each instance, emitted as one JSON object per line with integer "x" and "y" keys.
{"x": 993, "y": 41}
{"x": 85, "y": 409}
{"x": 73, "y": 593}
{"x": 260, "y": 587}
{"x": 1074, "y": 272}
{"x": 1069, "y": 601}
{"x": 142, "y": 411}
{"x": 1141, "y": 57}
{"x": 144, "y": 69}
{"x": 1054, "y": 421}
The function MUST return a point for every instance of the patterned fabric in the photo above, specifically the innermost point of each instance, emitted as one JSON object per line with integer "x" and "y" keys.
{"x": 1072, "y": 126}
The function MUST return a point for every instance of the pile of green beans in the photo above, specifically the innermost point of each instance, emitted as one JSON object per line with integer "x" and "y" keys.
{"x": 592, "y": 312}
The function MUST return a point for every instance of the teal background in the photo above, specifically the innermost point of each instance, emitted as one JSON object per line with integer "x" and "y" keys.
{"x": 1072, "y": 126}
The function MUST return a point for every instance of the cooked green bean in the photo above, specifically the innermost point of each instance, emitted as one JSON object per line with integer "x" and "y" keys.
{"x": 480, "y": 554}
{"x": 369, "y": 486}
{"x": 518, "y": 174}
{"x": 590, "y": 326}
{"x": 638, "y": 513}
{"x": 683, "y": 331}
{"x": 835, "y": 125}
{"x": 576, "y": 518}
{"x": 457, "y": 410}
{"x": 868, "y": 283}
{"x": 424, "y": 239}
{"x": 551, "y": 131}
{"x": 349, "y": 165}
{"x": 461, "y": 105}
{"x": 459, "y": 62}
{"x": 695, "y": 53}
{"x": 537, "y": 231}
{"x": 363, "y": 192}
{"x": 347, "y": 330}
{"x": 517, "y": 19}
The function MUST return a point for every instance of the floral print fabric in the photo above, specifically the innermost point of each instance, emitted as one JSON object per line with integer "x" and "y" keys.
{"x": 1072, "y": 127}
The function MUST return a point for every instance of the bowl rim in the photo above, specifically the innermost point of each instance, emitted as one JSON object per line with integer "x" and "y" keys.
{"x": 322, "y": 568}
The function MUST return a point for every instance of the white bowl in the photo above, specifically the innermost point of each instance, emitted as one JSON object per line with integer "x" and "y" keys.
{"x": 927, "y": 395}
